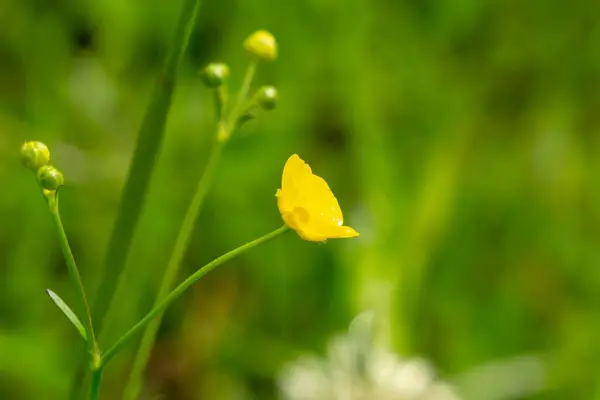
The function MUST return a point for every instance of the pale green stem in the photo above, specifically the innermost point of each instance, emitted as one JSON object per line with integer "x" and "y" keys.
{"x": 179, "y": 290}
{"x": 181, "y": 244}
{"x": 74, "y": 275}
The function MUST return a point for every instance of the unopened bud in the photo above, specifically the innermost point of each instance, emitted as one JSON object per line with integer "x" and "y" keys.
{"x": 267, "y": 97}
{"x": 35, "y": 155}
{"x": 261, "y": 46}
{"x": 215, "y": 74}
{"x": 50, "y": 178}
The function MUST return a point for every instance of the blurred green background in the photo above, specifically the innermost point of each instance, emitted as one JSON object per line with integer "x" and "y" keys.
{"x": 461, "y": 138}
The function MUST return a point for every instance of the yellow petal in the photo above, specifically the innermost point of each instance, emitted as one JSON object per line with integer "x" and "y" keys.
{"x": 307, "y": 204}
{"x": 320, "y": 227}
{"x": 343, "y": 232}
{"x": 321, "y": 202}
{"x": 295, "y": 174}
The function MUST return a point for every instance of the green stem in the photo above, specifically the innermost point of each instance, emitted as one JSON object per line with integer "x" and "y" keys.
{"x": 181, "y": 244}
{"x": 149, "y": 140}
{"x": 225, "y": 129}
{"x": 148, "y": 144}
{"x": 220, "y": 100}
{"x": 229, "y": 125}
{"x": 95, "y": 385}
{"x": 73, "y": 274}
{"x": 243, "y": 94}
{"x": 179, "y": 290}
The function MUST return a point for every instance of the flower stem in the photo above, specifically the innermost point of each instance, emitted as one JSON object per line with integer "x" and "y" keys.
{"x": 228, "y": 126}
{"x": 95, "y": 384}
{"x": 181, "y": 244}
{"x": 225, "y": 128}
{"x": 92, "y": 346}
{"x": 243, "y": 94}
{"x": 179, "y": 290}
{"x": 150, "y": 138}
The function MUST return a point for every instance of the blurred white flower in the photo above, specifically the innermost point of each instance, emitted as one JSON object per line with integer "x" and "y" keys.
{"x": 357, "y": 369}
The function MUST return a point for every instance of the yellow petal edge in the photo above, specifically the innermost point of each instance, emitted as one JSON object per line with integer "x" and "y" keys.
{"x": 308, "y": 206}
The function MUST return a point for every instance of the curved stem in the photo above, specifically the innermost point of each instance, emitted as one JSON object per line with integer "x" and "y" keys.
{"x": 181, "y": 244}
{"x": 179, "y": 290}
{"x": 73, "y": 274}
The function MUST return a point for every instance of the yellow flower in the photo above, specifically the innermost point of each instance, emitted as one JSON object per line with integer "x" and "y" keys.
{"x": 308, "y": 206}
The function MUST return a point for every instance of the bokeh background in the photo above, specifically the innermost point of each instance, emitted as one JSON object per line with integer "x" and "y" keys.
{"x": 461, "y": 138}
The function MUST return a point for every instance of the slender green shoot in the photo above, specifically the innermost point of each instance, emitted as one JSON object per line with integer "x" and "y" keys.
{"x": 92, "y": 346}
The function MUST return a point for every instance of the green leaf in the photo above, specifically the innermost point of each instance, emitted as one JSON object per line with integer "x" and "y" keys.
{"x": 68, "y": 313}
{"x": 149, "y": 140}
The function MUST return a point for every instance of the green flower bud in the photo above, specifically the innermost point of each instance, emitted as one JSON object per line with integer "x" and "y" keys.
{"x": 35, "y": 155}
{"x": 215, "y": 74}
{"x": 50, "y": 178}
{"x": 261, "y": 46}
{"x": 267, "y": 97}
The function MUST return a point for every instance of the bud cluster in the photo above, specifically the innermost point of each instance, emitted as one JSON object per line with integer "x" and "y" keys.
{"x": 36, "y": 157}
{"x": 261, "y": 46}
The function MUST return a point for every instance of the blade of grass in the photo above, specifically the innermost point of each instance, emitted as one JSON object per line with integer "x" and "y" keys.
{"x": 148, "y": 143}
{"x": 149, "y": 140}
{"x": 66, "y": 310}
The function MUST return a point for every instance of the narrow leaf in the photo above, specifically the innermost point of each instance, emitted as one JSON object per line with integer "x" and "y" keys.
{"x": 68, "y": 313}
{"x": 149, "y": 140}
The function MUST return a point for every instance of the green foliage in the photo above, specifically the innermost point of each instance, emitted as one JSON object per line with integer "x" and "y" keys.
{"x": 66, "y": 310}
{"x": 459, "y": 137}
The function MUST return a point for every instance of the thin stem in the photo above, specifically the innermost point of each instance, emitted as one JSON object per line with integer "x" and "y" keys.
{"x": 181, "y": 244}
{"x": 149, "y": 140}
{"x": 148, "y": 144}
{"x": 225, "y": 128}
{"x": 179, "y": 290}
{"x": 74, "y": 274}
{"x": 95, "y": 385}
{"x": 243, "y": 94}
{"x": 230, "y": 123}
{"x": 220, "y": 100}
